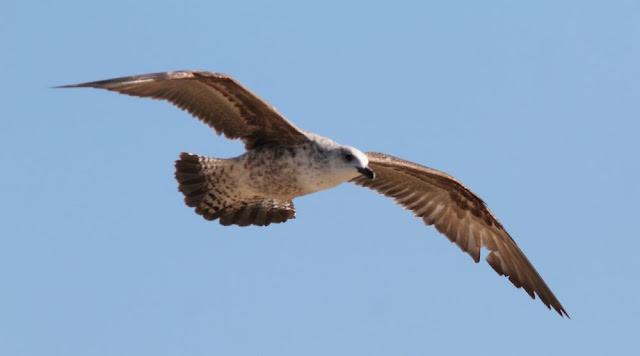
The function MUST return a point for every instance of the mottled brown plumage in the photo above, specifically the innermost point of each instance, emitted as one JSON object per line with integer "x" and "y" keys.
{"x": 283, "y": 162}
{"x": 209, "y": 186}
{"x": 216, "y": 99}
{"x": 440, "y": 200}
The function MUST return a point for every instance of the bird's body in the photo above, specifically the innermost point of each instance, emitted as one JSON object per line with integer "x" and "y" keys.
{"x": 271, "y": 176}
{"x": 289, "y": 172}
{"x": 283, "y": 162}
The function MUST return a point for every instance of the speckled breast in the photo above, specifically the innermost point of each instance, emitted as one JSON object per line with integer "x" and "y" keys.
{"x": 283, "y": 172}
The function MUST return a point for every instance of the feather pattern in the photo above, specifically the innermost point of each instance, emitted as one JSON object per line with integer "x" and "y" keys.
{"x": 216, "y": 99}
{"x": 283, "y": 162}
{"x": 460, "y": 215}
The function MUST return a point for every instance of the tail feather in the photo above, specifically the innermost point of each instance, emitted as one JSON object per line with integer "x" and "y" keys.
{"x": 198, "y": 179}
{"x": 192, "y": 181}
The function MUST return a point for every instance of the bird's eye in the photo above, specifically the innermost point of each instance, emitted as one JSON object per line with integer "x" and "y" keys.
{"x": 348, "y": 157}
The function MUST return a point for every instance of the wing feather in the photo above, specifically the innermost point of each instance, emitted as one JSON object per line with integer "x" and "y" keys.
{"x": 216, "y": 99}
{"x": 460, "y": 215}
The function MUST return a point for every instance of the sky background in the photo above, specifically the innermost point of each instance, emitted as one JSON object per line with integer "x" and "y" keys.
{"x": 534, "y": 105}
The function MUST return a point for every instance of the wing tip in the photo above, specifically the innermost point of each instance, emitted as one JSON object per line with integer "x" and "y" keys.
{"x": 115, "y": 82}
{"x": 560, "y": 310}
{"x": 101, "y": 84}
{"x": 81, "y": 85}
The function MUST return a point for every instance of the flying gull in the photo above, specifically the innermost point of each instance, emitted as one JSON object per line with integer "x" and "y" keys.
{"x": 283, "y": 162}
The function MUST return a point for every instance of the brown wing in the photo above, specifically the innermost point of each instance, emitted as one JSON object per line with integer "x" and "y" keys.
{"x": 459, "y": 214}
{"x": 216, "y": 99}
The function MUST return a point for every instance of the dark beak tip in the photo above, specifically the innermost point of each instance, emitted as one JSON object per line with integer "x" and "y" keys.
{"x": 367, "y": 173}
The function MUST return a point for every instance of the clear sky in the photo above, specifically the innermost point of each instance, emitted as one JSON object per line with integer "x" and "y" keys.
{"x": 534, "y": 105}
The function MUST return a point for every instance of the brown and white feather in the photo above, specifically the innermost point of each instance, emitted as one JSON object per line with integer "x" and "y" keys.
{"x": 210, "y": 186}
{"x": 284, "y": 162}
{"x": 439, "y": 200}
{"x": 216, "y": 99}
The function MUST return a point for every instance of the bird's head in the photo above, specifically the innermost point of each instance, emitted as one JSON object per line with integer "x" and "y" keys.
{"x": 351, "y": 162}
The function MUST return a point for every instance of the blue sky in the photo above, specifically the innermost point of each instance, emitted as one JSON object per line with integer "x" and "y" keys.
{"x": 534, "y": 105}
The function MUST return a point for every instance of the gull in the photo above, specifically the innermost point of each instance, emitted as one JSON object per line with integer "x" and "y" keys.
{"x": 283, "y": 162}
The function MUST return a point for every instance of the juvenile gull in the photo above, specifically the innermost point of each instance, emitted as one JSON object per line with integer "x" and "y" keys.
{"x": 283, "y": 162}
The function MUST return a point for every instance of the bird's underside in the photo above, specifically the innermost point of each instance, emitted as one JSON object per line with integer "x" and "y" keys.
{"x": 222, "y": 189}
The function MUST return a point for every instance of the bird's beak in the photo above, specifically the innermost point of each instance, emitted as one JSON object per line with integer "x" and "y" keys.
{"x": 367, "y": 172}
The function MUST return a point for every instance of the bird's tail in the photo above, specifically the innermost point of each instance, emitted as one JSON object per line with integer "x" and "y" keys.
{"x": 202, "y": 180}
{"x": 208, "y": 187}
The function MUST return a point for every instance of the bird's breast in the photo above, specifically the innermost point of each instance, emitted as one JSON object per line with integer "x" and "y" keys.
{"x": 285, "y": 173}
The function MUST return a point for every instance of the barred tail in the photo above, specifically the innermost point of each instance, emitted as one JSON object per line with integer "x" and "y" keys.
{"x": 202, "y": 181}
{"x": 197, "y": 177}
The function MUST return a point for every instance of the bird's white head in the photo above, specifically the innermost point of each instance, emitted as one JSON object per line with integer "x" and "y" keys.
{"x": 349, "y": 162}
{"x": 340, "y": 163}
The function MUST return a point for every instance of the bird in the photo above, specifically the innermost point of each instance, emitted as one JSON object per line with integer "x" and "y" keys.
{"x": 283, "y": 162}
